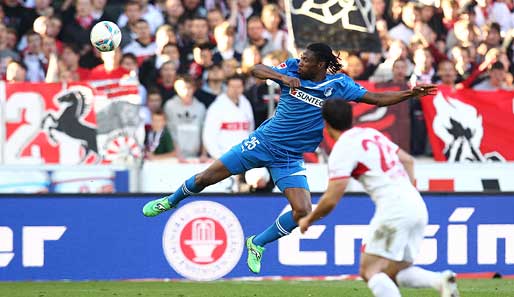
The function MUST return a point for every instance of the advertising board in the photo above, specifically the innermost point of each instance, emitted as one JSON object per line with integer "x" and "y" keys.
{"x": 81, "y": 238}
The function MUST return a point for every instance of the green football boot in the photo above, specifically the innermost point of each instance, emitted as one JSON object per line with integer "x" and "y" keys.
{"x": 156, "y": 207}
{"x": 254, "y": 255}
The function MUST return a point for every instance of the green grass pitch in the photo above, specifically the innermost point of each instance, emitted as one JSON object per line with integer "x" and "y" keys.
{"x": 468, "y": 288}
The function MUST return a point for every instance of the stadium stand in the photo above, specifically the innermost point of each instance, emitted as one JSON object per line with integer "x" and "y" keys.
{"x": 460, "y": 45}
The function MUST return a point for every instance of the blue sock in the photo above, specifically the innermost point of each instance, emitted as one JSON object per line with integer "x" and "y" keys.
{"x": 282, "y": 227}
{"x": 187, "y": 189}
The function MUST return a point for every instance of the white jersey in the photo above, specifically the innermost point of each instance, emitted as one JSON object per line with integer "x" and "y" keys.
{"x": 226, "y": 124}
{"x": 368, "y": 156}
{"x": 397, "y": 227}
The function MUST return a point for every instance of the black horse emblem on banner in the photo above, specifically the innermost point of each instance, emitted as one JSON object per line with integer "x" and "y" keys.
{"x": 71, "y": 121}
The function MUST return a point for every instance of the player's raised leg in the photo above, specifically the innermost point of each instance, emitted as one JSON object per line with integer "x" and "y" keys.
{"x": 195, "y": 184}
{"x": 249, "y": 154}
{"x": 300, "y": 200}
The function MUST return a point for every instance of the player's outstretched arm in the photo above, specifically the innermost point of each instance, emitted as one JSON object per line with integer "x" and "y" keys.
{"x": 326, "y": 204}
{"x": 264, "y": 72}
{"x": 390, "y": 98}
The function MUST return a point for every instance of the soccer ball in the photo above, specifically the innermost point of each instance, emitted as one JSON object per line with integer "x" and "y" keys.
{"x": 105, "y": 36}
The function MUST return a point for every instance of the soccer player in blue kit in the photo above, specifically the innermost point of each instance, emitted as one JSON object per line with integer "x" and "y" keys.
{"x": 279, "y": 143}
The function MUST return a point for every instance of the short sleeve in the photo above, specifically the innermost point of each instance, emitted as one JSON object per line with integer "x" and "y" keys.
{"x": 341, "y": 162}
{"x": 350, "y": 90}
{"x": 286, "y": 66}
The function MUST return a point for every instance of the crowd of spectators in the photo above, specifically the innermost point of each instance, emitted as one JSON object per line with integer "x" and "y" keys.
{"x": 193, "y": 57}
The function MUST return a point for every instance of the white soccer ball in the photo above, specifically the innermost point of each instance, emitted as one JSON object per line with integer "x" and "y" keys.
{"x": 105, "y": 36}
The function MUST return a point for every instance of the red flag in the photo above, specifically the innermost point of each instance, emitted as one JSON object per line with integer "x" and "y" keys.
{"x": 469, "y": 125}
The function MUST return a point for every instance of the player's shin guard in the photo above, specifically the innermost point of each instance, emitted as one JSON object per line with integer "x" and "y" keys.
{"x": 417, "y": 277}
{"x": 382, "y": 286}
{"x": 187, "y": 189}
{"x": 282, "y": 227}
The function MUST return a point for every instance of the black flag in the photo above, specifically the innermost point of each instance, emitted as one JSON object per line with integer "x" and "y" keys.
{"x": 344, "y": 25}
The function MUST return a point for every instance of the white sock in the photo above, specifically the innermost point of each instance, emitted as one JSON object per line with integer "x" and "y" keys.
{"x": 382, "y": 286}
{"x": 417, "y": 277}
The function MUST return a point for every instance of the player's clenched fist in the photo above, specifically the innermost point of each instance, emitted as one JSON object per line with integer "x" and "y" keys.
{"x": 291, "y": 82}
{"x": 303, "y": 224}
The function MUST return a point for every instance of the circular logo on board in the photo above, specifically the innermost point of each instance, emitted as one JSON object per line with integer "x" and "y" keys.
{"x": 203, "y": 240}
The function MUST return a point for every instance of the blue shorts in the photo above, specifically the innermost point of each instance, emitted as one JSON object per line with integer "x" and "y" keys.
{"x": 287, "y": 169}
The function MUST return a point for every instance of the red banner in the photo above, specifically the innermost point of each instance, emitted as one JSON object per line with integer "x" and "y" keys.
{"x": 468, "y": 125}
{"x": 49, "y": 124}
{"x": 80, "y": 123}
{"x": 393, "y": 121}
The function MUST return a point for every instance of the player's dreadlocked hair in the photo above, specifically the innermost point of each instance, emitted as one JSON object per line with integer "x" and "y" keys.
{"x": 324, "y": 53}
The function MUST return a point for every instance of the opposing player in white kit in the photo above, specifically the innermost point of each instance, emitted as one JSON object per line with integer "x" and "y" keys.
{"x": 397, "y": 227}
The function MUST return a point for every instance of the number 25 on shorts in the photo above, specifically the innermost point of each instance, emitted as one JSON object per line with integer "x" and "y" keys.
{"x": 250, "y": 144}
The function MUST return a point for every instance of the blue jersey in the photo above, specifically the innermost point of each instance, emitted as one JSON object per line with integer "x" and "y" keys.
{"x": 297, "y": 125}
